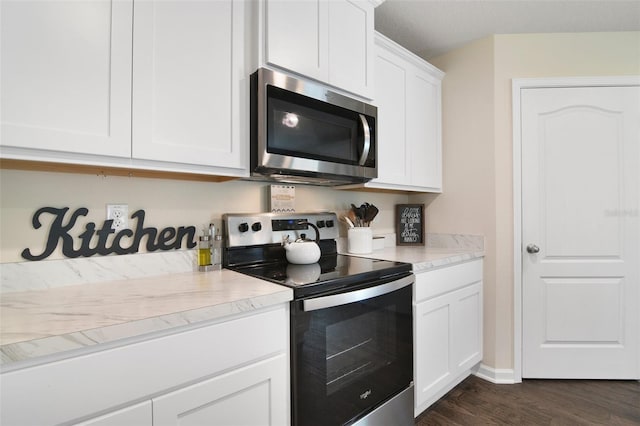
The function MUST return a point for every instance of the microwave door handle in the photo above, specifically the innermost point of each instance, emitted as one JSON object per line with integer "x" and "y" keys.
{"x": 367, "y": 140}
{"x": 355, "y": 296}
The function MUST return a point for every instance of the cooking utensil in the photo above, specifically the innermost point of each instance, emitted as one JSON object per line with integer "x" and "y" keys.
{"x": 352, "y": 217}
{"x": 349, "y": 222}
{"x": 363, "y": 215}
{"x": 364, "y": 208}
{"x": 358, "y": 213}
{"x": 371, "y": 213}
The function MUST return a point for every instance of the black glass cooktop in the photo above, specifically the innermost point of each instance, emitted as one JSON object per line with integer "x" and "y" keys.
{"x": 333, "y": 273}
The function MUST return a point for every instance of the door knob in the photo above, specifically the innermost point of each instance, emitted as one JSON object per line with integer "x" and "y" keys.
{"x": 532, "y": 248}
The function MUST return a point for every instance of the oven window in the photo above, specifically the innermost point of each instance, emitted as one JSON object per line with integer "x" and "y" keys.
{"x": 360, "y": 346}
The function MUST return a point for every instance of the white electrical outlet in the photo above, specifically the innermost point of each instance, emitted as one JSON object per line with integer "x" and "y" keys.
{"x": 119, "y": 213}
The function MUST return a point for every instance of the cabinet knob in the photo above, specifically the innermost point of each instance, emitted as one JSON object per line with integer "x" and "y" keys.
{"x": 532, "y": 248}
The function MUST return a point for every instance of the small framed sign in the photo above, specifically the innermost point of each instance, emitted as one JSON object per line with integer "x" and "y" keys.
{"x": 410, "y": 225}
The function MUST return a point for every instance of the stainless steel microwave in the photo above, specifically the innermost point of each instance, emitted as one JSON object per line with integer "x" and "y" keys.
{"x": 302, "y": 132}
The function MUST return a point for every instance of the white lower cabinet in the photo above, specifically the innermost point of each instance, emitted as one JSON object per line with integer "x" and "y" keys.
{"x": 448, "y": 329}
{"x": 251, "y": 395}
{"x": 233, "y": 371}
{"x": 138, "y": 414}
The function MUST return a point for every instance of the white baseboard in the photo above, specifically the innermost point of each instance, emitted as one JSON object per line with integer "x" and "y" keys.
{"x": 494, "y": 375}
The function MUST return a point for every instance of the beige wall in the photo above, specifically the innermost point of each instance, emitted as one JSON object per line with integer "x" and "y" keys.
{"x": 166, "y": 203}
{"x": 487, "y": 124}
{"x": 467, "y": 204}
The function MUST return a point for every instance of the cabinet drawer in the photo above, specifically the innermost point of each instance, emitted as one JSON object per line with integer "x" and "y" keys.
{"x": 139, "y": 415}
{"x": 256, "y": 394}
{"x": 433, "y": 283}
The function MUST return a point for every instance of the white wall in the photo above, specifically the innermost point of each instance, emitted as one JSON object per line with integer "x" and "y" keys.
{"x": 477, "y": 141}
{"x": 166, "y": 203}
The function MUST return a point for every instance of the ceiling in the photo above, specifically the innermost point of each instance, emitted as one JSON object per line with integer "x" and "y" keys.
{"x": 432, "y": 27}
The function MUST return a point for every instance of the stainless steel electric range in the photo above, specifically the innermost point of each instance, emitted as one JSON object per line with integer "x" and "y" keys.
{"x": 351, "y": 320}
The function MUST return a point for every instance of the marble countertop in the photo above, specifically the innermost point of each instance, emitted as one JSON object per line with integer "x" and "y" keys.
{"x": 68, "y": 307}
{"x": 425, "y": 258}
{"x": 49, "y": 321}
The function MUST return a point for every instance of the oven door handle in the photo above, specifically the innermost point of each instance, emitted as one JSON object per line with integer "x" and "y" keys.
{"x": 356, "y": 296}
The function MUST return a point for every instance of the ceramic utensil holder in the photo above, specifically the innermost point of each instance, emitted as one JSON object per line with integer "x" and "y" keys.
{"x": 360, "y": 240}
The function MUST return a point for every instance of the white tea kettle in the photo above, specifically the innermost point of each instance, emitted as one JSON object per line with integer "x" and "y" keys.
{"x": 302, "y": 252}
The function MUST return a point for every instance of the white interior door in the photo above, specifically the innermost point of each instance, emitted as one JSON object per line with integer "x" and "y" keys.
{"x": 580, "y": 232}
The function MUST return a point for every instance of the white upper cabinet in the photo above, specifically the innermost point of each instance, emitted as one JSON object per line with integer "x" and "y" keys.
{"x": 189, "y": 99}
{"x": 327, "y": 40}
{"x": 392, "y": 119}
{"x": 409, "y": 143}
{"x": 424, "y": 127}
{"x": 296, "y": 36}
{"x": 351, "y": 46}
{"x": 155, "y": 85}
{"x": 66, "y": 76}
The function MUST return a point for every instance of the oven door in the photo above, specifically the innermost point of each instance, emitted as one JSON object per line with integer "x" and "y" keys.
{"x": 351, "y": 352}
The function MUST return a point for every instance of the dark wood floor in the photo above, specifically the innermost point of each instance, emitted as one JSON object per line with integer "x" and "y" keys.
{"x": 537, "y": 402}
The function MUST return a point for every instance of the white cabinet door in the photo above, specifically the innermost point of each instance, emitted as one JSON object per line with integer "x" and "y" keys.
{"x": 351, "y": 47}
{"x": 190, "y": 87}
{"x": 253, "y": 395}
{"x": 136, "y": 415}
{"x": 466, "y": 344}
{"x": 423, "y": 131}
{"x": 296, "y": 36}
{"x": 328, "y": 40}
{"x": 408, "y": 97}
{"x": 433, "y": 333}
{"x": 392, "y": 119}
{"x": 61, "y": 91}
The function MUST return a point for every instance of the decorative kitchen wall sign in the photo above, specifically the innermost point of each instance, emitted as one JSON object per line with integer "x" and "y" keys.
{"x": 283, "y": 198}
{"x": 410, "y": 225}
{"x": 167, "y": 239}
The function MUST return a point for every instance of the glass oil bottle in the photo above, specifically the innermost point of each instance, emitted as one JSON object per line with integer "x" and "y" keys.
{"x": 204, "y": 253}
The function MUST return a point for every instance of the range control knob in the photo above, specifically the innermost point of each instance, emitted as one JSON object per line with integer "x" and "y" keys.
{"x": 243, "y": 227}
{"x": 329, "y": 223}
{"x": 320, "y": 224}
{"x": 256, "y": 226}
